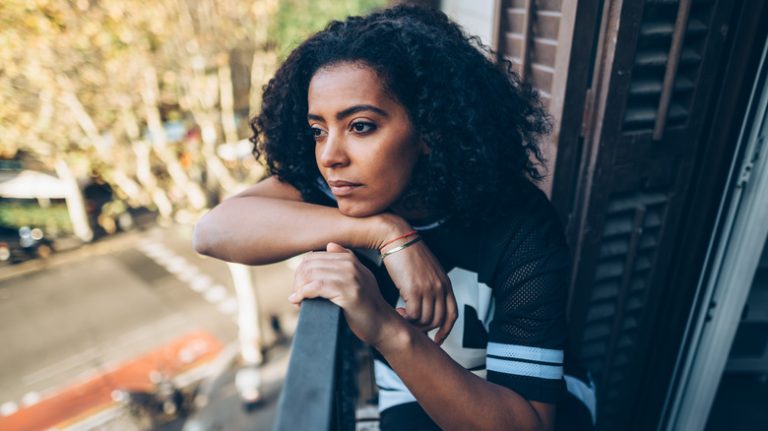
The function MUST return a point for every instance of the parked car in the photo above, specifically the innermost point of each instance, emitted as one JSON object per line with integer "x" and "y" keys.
{"x": 20, "y": 244}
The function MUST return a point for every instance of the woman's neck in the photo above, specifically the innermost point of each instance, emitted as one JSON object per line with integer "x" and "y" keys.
{"x": 416, "y": 215}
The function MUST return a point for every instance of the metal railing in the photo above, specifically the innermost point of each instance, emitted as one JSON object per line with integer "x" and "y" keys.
{"x": 320, "y": 389}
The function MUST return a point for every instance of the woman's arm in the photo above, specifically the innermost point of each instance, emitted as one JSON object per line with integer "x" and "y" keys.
{"x": 269, "y": 222}
{"x": 455, "y": 398}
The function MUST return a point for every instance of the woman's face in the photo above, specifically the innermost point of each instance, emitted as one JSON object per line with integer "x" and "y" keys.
{"x": 365, "y": 146}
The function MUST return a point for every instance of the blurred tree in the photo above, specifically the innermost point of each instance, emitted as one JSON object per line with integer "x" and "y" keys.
{"x": 90, "y": 86}
{"x": 297, "y": 19}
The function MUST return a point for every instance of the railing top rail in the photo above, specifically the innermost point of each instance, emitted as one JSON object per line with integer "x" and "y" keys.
{"x": 306, "y": 402}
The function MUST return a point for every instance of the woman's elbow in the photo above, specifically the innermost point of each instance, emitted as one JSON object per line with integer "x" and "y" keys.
{"x": 203, "y": 237}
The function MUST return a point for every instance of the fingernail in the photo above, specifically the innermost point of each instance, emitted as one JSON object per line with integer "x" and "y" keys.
{"x": 292, "y": 297}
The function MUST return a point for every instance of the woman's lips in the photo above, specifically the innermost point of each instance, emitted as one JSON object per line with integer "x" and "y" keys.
{"x": 342, "y": 188}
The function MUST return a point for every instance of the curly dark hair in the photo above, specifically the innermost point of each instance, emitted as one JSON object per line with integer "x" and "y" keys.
{"x": 481, "y": 123}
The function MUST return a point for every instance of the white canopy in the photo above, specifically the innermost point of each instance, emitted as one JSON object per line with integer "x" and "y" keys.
{"x": 31, "y": 185}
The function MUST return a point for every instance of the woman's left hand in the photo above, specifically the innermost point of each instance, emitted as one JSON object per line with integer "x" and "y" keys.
{"x": 338, "y": 276}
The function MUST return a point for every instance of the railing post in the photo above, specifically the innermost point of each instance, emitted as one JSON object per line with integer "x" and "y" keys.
{"x": 312, "y": 397}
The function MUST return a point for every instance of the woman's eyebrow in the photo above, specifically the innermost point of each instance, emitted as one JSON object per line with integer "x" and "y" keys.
{"x": 351, "y": 110}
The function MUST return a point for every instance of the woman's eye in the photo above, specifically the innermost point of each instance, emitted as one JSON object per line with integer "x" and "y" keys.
{"x": 317, "y": 132}
{"x": 362, "y": 127}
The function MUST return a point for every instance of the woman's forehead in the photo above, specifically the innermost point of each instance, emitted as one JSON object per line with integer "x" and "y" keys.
{"x": 346, "y": 84}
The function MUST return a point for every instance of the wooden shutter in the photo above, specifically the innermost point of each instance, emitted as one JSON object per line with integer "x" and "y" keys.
{"x": 650, "y": 93}
{"x": 537, "y": 37}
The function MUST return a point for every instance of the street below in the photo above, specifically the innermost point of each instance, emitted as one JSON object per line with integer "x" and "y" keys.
{"x": 116, "y": 311}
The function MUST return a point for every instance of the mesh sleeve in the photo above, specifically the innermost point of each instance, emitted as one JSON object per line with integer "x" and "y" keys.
{"x": 527, "y": 334}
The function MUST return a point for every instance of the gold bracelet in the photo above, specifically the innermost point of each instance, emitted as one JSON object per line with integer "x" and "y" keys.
{"x": 400, "y": 247}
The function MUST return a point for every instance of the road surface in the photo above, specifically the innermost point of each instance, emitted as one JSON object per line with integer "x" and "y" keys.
{"x": 94, "y": 312}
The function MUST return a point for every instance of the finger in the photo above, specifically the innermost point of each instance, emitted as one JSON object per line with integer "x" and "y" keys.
{"x": 438, "y": 316}
{"x": 307, "y": 256}
{"x": 313, "y": 289}
{"x": 298, "y": 278}
{"x": 326, "y": 259}
{"x": 427, "y": 310}
{"x": 450, "y": 319}
{"x": 401, "y": 311}
{"x": 318, "y": 267}
{"x": 295, "y": 297}
{"x": 332, "y": 247}
{"x": 413, "y": 309}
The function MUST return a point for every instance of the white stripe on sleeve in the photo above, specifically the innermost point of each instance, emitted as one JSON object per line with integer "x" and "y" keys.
{"x": 554, "y": 372}
{"x": 528, "y": 353}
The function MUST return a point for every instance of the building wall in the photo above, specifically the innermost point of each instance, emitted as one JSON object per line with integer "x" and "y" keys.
{"x": 476, "y": 16}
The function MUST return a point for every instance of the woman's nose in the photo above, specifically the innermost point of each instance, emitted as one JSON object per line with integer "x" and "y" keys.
{"x": 333, "y": 152}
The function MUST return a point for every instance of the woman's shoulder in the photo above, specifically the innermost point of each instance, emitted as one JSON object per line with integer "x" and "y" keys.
{"x": 527, "y": 228}
{"x": 529, "y": 210}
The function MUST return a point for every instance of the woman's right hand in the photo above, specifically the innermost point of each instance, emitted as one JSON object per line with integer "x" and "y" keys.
{"x": 423, "y": 285}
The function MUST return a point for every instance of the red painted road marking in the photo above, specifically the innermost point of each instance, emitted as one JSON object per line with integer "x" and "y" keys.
{"x": 85, "y": 398}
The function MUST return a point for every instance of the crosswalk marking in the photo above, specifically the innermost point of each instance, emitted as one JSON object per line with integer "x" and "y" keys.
{"x": 30, "y": 398}
{"x": 193, "y": 277}
{"x": 8, "y": 408}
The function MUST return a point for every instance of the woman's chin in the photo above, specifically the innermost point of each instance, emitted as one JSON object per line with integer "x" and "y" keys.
{"x": 358, "y": 211}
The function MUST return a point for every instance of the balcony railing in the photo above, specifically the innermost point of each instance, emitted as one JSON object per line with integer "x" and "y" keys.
{"x": 320, "y": 389}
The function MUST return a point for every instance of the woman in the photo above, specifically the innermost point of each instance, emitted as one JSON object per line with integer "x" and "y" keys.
{"x": 394, "y": 136}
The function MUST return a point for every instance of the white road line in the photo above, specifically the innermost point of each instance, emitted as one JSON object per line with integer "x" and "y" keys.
{"x": 201, "y": 284}
{"x": 30, "y": 398}
{"x": 177, "y": 270}
{"x": 189, "y": 276}
{"x": 177, "y": 265}
{"x": 228, "y": 306}
{"x": 92, "y": 355}
{"x": 149, "y": 248}
{"x": 183, "y": 270}
{"x": 193, "y": 277}
{"x": 154, "y": 252}
{"x": 8, "y": 408}
{"x": 216, "y": 294}
{"x": 174, "y": 269}
{"x": 159, "y": 252}
{"x": 148, "y": 332}
{"x": 150, "y": 244}
{"x": 164, "y": 260}
{"x": 59, "y": 367}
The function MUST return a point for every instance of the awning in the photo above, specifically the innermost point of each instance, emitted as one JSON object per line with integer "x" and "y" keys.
{"x": 30, "y": 185}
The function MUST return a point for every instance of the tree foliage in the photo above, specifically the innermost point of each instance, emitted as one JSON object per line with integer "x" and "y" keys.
{"x": 89, "y": 86}
{"x": 297, "y": 19}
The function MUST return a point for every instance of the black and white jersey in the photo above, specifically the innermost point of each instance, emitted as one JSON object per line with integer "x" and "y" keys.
{"x": 510, "y": 280}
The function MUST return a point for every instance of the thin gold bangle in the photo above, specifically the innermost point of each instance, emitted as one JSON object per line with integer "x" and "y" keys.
{"x": 400, "y": 247}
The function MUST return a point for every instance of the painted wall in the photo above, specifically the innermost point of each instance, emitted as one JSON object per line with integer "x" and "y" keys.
{"x": 476, "y": 16}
